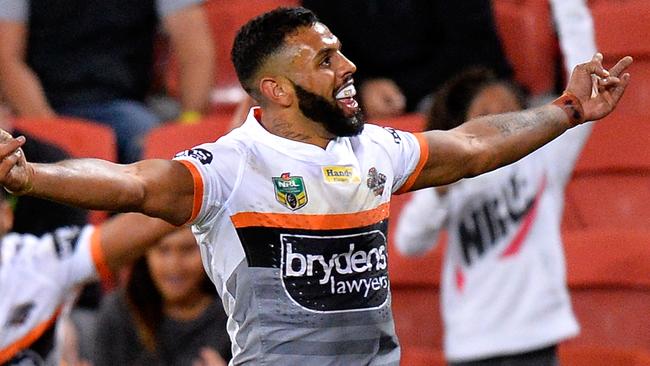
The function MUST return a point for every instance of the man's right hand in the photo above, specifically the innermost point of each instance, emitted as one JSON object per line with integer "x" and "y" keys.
{"x": 15, "y": 173}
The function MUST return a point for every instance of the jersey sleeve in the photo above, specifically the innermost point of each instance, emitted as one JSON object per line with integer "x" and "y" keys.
{"x": 408, "y": 153}
{"x": 214, "y": 169}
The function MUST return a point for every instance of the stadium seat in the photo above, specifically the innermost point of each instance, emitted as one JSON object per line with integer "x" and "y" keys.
{"x": 609, "y": 281}
{"x": 603, "y": 356}
{"x": 80, "y": 138}
{"x": 608, "y": 201}
{"x": 528, "y": 38}
{"x": 420, "y": 356}
{"x": 618, "y": 144}
{"x": 415, "y": 287}
{"x": 622, "y": 29}
{"x": 165, "y": 141}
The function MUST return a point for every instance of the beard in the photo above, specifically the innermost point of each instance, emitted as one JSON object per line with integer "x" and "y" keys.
{"x": 329, "y": 115}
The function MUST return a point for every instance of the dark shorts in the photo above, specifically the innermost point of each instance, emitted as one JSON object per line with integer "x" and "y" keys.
{"x": 541, "y": 357}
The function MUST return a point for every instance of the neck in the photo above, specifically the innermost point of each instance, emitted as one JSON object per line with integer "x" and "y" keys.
{"x": 296, "y": 127}
{"x": 189, "y": 308}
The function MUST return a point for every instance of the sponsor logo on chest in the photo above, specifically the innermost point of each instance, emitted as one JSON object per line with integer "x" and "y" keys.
{"x": 290, "y": 191}
{"x": 336, "y": 273}
{"x": 337, "y": 174}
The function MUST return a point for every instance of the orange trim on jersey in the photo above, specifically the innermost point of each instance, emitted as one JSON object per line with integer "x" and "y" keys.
{"x": 311, "y": 222}
{"x": 99, "y": 258}
{"x": 424, "y": 156}
{"x": 198, "y": 189}
{"x": 23, "y": 343}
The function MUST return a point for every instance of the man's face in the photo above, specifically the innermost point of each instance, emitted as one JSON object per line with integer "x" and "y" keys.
{"x": 322, "y": 80}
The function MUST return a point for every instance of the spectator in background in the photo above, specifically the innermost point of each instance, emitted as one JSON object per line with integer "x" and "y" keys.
{"x": 39, "y": 274}
{"x": 168, "y": 314}
{"x": 94, "y": 60}
{"x": 405, "y": 48}
{"x": 504, "y": 296}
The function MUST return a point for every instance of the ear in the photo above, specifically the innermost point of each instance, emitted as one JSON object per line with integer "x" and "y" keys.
{"x": 276, "y": 92}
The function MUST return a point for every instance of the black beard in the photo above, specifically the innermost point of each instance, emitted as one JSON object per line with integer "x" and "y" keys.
{"x": 320, "y": 110}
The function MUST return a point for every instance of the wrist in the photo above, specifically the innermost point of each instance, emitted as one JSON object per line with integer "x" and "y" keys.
{"x": 572, "y": 106}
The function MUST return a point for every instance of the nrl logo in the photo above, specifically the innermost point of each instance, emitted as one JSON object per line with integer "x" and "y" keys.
{"x": 290, "y": 191}
{"x": 376, "y": 181}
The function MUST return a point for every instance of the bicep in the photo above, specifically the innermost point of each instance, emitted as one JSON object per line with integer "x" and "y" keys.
{"x": 168, "y": 190}
{"x": 450, "y": 158}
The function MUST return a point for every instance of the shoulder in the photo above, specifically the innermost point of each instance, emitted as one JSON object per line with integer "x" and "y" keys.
{"x": 383, "y": 135}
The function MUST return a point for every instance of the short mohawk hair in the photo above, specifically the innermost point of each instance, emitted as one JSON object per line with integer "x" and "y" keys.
{"x": 262, "y": 36}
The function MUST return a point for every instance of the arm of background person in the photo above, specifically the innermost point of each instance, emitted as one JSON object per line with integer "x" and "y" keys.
{"x": 575, "y": 29}
{"x": 126, "y": 237}
{"x": 192, "y": 43}
{"x": 420, "y": 222}
{"x": 18, "y": 83}
{"x": 486, "y": 143}
{"x": 577, "y": 41}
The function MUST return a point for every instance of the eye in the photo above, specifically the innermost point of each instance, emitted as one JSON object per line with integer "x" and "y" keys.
{"x": 327, "y": 61}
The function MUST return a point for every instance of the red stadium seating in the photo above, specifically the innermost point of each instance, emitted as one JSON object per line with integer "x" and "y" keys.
{"x": 415, "y": 286}
{"x": 80, "y": 138}
{"x": 419, "y": 356}
{"x": 622, "y": 29}
{"x": 413, "y": 122}
{"x": 609, "y": 281}
{"x": 603, "y": 356}
{"x": 529, "y": 41}
{"x": 165, "y": 141}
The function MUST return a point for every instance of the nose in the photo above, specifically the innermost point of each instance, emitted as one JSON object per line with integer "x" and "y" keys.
{"x": 347, "y": 67}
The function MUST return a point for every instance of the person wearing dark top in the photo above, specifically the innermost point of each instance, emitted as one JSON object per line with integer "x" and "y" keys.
{"x": 168, "y": 313}
{"x": 404, "y": 49}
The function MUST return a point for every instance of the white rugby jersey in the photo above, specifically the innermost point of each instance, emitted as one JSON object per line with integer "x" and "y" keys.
{"x": 504, "y": 280}
{"x": 294, "y": 237}
{"x": 37, "y": 275}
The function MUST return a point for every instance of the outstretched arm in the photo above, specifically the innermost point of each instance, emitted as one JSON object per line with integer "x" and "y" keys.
{"x": 159, "y": 188}
{"x": 489, "y": 142}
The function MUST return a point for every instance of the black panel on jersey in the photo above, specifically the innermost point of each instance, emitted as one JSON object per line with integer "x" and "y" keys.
{"x": 324, "y": 270}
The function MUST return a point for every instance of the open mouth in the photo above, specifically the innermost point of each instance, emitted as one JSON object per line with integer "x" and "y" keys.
{"x": 345, "y": 99}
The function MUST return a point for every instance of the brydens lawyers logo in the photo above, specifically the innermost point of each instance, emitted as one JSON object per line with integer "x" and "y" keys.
{"x": 339, "y": 273}
{"x": 290, "y": 191}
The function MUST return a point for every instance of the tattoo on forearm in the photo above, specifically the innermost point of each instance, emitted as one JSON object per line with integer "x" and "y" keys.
{"x": 510, "y": 123}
